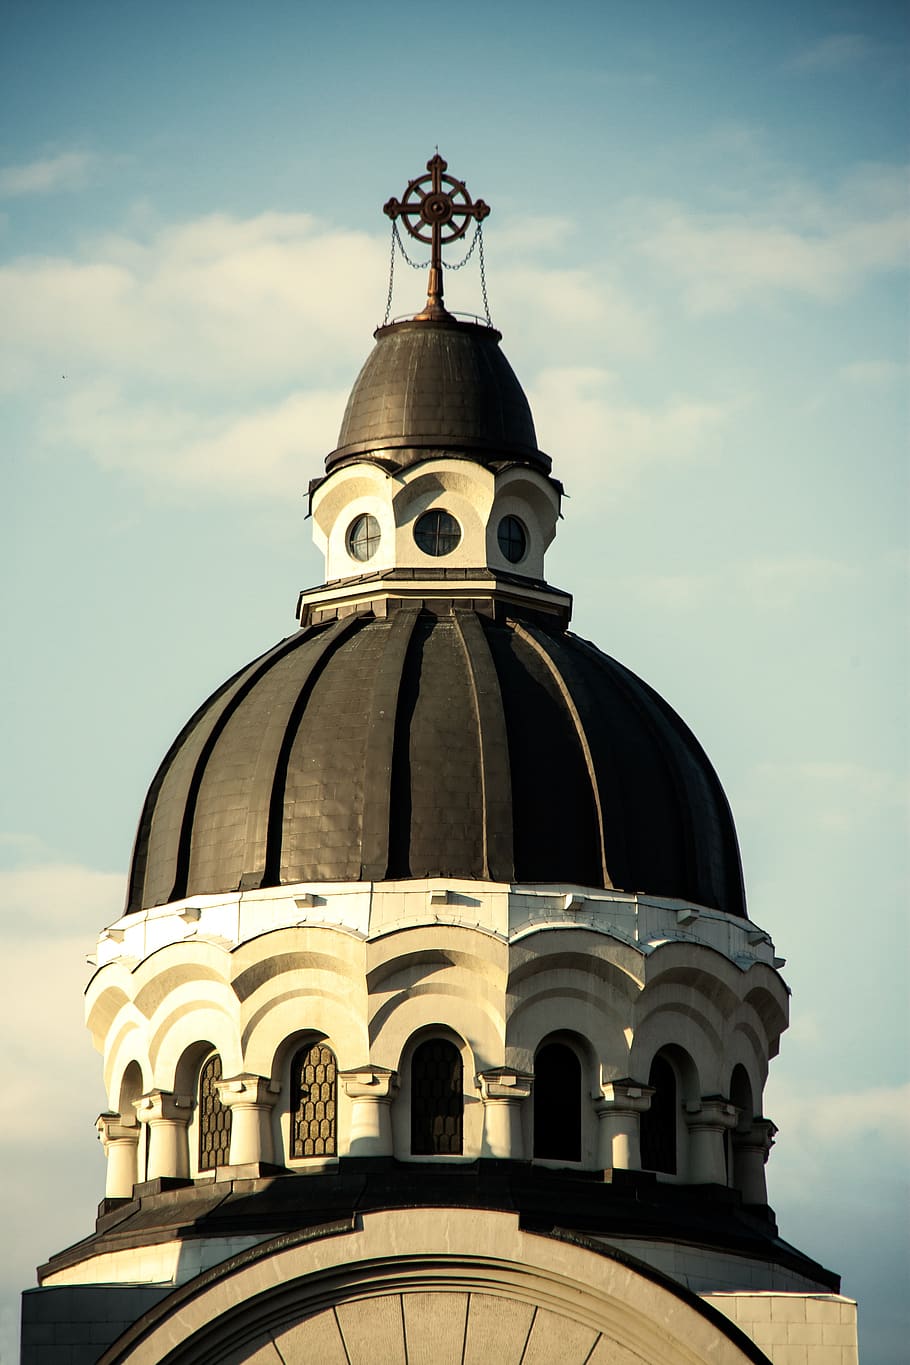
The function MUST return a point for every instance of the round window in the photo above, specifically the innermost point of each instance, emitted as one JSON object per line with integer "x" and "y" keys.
{"x": 437, "y": 532}
{"x": 363, "y": 537}
{"x": 513, "y": 539}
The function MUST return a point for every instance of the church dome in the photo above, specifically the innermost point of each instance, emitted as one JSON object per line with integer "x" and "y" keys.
{"x": 419, "y": 744}
{"x": 437, "y": 385}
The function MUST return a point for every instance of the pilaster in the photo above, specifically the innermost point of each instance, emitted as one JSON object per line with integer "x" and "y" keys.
{"x": 619, "y": 1108}
{"x": 751, "y": 1148}
{"x": 167, "y": 1116}
{"x": 121, "y": 1144}
{"x": 250, "y": 1099}
{"x": 371, "y": 1090}
{"x": 503, "y": 1091}
{"x": 708, "y": 1119}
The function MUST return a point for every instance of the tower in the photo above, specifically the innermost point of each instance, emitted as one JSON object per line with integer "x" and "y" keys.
{"x": 435, "y": 1026}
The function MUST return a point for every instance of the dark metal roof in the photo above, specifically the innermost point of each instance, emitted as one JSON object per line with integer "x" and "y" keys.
{"x": 422, "y": 745}
{"x": 437, "y": 385}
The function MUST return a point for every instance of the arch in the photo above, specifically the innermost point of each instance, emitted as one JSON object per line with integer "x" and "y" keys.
{"x": 437, "y": 1098}
{"x": 557, "y": 1102}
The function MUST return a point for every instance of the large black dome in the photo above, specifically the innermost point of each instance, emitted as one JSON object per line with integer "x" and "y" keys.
{"x": 419, "y": 745}
{"x": 437, "y": 385}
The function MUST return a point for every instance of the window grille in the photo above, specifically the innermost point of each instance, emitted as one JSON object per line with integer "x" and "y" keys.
{"x": 557, "y": 1103}
{"x": 437, "y": 1099}
{"x": 658, "y": 1123}
{"x": 313, "y": 1097}
{"x": 214, "y": 1118}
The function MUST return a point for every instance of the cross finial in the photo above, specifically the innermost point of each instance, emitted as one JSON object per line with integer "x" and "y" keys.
{"x": 436, "y": 209}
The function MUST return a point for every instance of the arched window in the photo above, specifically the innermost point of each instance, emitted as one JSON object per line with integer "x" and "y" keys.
{"x": 437, "y": 1099}
{"x": 658, "y": 1123}
{"x": 557, "y": 1103}
{"x": 314, "y": 1080}
{"x": 741, "y": 1096}
{"x": 214, "y": 1118}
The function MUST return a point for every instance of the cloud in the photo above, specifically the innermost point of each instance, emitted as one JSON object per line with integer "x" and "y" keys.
{"x": 837, "y": 1119}
{"x": 794, "y": 240}
{"x": 581, "y": 411}
{"x": 48, "y": 899}
{"x": 68, "y": 171}
{"x": 836, "y": 52}
{"x": 873, "y": 374}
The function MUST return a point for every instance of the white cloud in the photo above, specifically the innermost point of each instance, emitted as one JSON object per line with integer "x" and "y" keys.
{"x": 580, "y": 411}
{"x": 873, "y": 374}
{"x": 836, "y": 1120}
{"x": 43, "y": 899}
{"x": 835, "y": 52}
{"x": 263, "y": 452}
{"x": 68, "y": 171}
{"x": 794, "y": 239}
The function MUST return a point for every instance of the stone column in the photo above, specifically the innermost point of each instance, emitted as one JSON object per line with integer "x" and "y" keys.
{"x": 503, "y": 1091}
{"x": 619, "y": 1109}
{"x": 751, "y": 1146}
{"x": 167, "y": 1116}
{"x": 250, "y": 1100}
{"x": 708, "y": 1119}
{"x": 371, "y": 1090}
{"x": 121, "y": 1143}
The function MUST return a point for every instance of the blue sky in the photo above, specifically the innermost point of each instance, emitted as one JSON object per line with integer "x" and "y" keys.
{"x": 697, "y": 257}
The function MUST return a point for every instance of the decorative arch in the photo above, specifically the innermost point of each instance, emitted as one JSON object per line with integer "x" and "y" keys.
{"x": 313, "y": 1101}
{"x": 437, "y": 1098}
{"x": 557, "y": 1101}
{"x": 674, "y": 1079}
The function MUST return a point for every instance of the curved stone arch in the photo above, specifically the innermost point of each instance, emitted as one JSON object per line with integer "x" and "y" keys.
{"x": 533, "y": 1019}
{"x": 744, "y": 1047}
{"x": 472, "y": 1116}
{"x": 679, "y": 1022}
{"x": 766, "y": 995}
{"x": 588, "y": 957}
{"x": 174, "y": 964}
{"x": 308, "y": 1011}
{"x": 688, "y": 1089}
{"x": 109, "y": 993}
{"x": 478, "y": 1021}
{"x": 299, "y": 1291}
{"x": 721, "y": 987}
{"x": 310, "y": 950}
{"x": 381, "y": 977}
{"x": 128, "y": 1041}
{"x": 189, "y": 1023}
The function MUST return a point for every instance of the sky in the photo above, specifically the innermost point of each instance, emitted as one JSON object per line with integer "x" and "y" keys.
{"x": 697, "y": 257}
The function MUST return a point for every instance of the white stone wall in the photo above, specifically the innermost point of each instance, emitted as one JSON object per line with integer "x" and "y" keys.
{"x": 795, "y": 1329}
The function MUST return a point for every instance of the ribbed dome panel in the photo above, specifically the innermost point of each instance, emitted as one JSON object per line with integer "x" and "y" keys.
{"x": 421, "y": 745}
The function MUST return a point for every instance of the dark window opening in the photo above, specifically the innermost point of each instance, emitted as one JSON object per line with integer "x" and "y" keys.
{"x": 437, "y": 1099}
{"x": 437, "y": 532}
{"x": 658, "y": 1123}
{"x": 214, "y": 1118}
{"x": 512, "y": 538}
{"x": 314, "y": 1079}
{"x": 557, "y": 1103}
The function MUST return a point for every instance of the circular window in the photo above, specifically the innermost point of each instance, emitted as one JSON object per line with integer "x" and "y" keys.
{"x": 437, "y": 532}
{"x": 513, "y": 539}
{"x": 363, "y": 537}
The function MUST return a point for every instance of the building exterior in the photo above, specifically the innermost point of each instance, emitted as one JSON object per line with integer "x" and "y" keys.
{"x": 435, "y": 1028}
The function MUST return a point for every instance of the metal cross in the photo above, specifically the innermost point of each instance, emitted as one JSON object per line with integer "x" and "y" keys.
{"x": 436, "y": 209}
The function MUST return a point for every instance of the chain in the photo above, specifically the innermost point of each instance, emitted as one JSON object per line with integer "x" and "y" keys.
{"x": 483, "y": 276}
{"x": 477, "y": 242}
{"x": 388, "y": 302}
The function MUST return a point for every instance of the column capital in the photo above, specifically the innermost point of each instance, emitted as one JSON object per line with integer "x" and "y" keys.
{"x": 623, "y": 1096}
{"x": 504, "y": 1083}
{"x": 370, "y": 1082}
{"x": 159, "y": 1106}
{"x": 759, "y": 1134}
{"x": 247, "y": 1088}
{"x": 112, "y": 1128}
{"x": 711, "y": 1112}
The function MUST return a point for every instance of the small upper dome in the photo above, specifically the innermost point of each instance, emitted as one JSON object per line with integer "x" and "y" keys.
{"x": 425, "y": 744}
{"x": 437, "y": 386}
